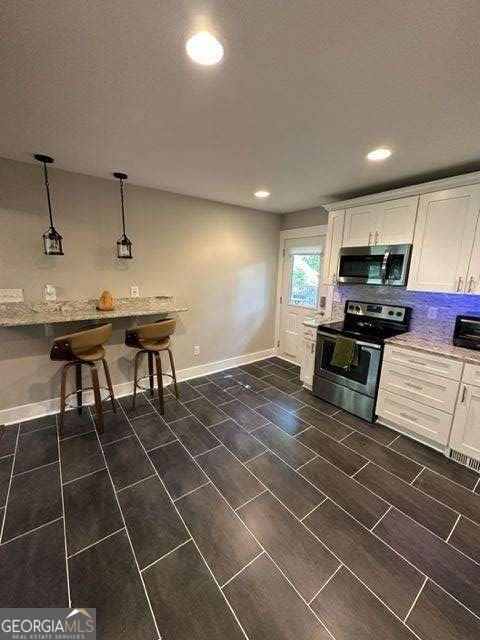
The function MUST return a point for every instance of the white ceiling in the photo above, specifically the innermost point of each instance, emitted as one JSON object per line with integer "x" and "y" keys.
{"x": 306, "y": 88}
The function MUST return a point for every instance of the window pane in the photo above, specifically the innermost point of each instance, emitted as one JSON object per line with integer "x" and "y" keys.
{"x": 304, "y": 280}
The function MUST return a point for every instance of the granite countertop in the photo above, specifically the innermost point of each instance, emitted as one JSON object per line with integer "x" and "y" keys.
{"x": 314, "y": 323}
{"x": 438, "y": 346}
{"x": 14, "y": 314}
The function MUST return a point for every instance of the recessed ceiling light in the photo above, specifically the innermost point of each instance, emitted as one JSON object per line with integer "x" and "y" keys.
{"x": 379, "y": 154}
{"x": 262, "y": 193}
{"x": 204, "y": 48}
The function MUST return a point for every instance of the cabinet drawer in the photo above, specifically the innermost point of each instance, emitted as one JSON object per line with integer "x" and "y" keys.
{"x": 427, "y": 362}
{"x": 425, "y": 421}
{"x": 471, "y": 374}
{"x": 431, "y": 390}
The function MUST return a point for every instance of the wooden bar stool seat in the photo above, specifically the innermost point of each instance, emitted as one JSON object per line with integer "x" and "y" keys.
{"x": 152, "y": 339}
{"x": 83, "y": 348}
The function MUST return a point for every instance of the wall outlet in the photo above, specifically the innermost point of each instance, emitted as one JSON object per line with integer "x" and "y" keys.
{"x": 196, "y": 351}
{"x": 432, "y": 313}
{"x": 11, "y": 295}
{"x": 336, "y": 296}
{"x": 135, "y": 291}
{"x": 50, "y": 292}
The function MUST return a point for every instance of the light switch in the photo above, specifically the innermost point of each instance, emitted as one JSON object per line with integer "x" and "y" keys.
{"x": 134, "y": 291}
{"x": 50, "y": 292}
{"x": 11, "y": 295}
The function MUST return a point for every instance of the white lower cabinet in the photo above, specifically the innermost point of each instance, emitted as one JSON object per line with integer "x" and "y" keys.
{"x": 308, "y": 359}
{"x": 465, "y": 436}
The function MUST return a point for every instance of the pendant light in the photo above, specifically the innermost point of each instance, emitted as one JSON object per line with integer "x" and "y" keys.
{"x": 124, "y": 245}
{"x": 52, "y": 240}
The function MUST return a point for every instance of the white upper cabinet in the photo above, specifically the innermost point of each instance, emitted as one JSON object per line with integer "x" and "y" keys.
{"x": 443, "y": 245}
{"x": 391, "y": 222}
{"x": 336, "y": 221}
{"x": 472, "y": 284}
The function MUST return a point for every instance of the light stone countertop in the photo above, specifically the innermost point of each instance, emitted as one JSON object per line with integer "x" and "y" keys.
{"x": 14, "y": 314}
{"x": 437, "y": 346}
{"x": 316, "y": 323}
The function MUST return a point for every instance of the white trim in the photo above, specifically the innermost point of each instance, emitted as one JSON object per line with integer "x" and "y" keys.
{"x": 413, "y": 190}
{"x": 302, "y": 232}
{"x": 52, "y": 405}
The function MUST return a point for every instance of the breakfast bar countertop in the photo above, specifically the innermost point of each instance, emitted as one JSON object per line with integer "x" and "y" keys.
{"x": 435, "y": 345}
{"x": 14, "y": 314}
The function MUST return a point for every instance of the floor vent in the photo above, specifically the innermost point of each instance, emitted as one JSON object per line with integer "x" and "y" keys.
{"x": 465, "y": 460}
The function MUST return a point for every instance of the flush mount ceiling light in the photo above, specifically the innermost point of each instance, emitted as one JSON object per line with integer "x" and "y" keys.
{"x": 52, "y": 240}
{"x": 379, "y": 154}
{"x": 204, "y": 48}
{"x": 262, "y": 193}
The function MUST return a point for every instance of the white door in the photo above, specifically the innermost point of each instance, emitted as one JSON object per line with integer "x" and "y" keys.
{"x": 302, "y": 293}
{"x": 396, "y": 221}
{"x": 360, "y": 225}
{"x": 443, "y": 241}
{"x": 465, "y": 436}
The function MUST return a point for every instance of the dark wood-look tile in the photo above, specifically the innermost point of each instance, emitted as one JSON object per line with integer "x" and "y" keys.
{"x": 281, "y": 372}
{"x": 8, "y": 438}
{"x": 286, "y": 447}
{"x": 254, "y": 370}
{"x": 36, "y": 449}
{"x": 80, "y": 455}
{"x": 2, "y": 513}
{"x": 152, "y": 521}
{"x": 152, "y": 430}
{"x": 206, "y": 412}
{"x": 280, "y": 362}
{"x": 292, "y": 490}
{"x": 323, "y": 423}
{"x": 245, "y": 417}
{"x": 225, "y": 379}
{"x": 251, "y": 382}
{"x": 384, "y": 457}
{"x": 195, "y": 382}
{"x": 435, "y": 461}
{"x": 91, "y": 511}
{"x": 342, "y": 457}
{"x": 5, "y": 473}
{"x": 466, "y": 537}
{"x": 231, "y": 478}
{"x": 279, "y": 383}
{"x": 142, "y": 405}
{"x": 116, "y": 426}
{"x": 268, "y": 607}
{"x": 223, "y": 540}
{"x": 127, "y": 462}
{"x": 451, "y": 570}
{"x": 33, "y": 571}
{"x": 105, "y": 576}
{"x": 174, "y": 410}
{"x": 403, "y": 496}
{"x": 301, "y": 557}
{"x": 180, "y": 473}
{"x": 350, "y": 611}
{"x": 186, "y": 392}
{"x": 237, "y": 440}
{"x": 186, "y": 601}
{"x": 250, "y": 398}
{"x": 215, "y": 394}
{"x": 30, "y": 426}
{"x": 437, "y": 616}
{"x": 195, "y": 437}
{"x": 390, "y": 577}
{"x": 289, "y": 422}
{"x": 344, "y": 491}
{"x": 284, "y": 400}
{"x": 307, "y": 397}
{"x": 35, "y": 499}
{"x": 75, "y": 424}
{"x": 376, "y": 431}
{"x": 464, "y": 501}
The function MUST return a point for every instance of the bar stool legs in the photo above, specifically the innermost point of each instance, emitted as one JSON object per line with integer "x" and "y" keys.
{"x": 96, "y": 394}
{"x": 109, "y": 384}
{"x": 138, "y": 355}
{"x": 78, "y": 380}
{"x": 158, "y": 362}
{"x": 174, "y": 375}
{"x": 150, "y": 372}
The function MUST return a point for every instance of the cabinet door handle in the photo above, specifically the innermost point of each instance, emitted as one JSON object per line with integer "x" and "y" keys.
{"x": 407, "y": 416}
{"x": 459, "y": 283}
{"x": 413, "y": 386}
{"x": 312, "y": 346}
{"x": 370, "y": 238}
{"x": 471, "y": 284}
{"x": 464, "y": 395}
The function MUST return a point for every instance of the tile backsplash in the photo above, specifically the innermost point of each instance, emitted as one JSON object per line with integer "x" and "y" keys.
{"x": 448, "y": 306}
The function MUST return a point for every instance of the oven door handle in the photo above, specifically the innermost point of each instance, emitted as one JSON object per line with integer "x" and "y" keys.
{"x": 358, "y": 342}
{"x": 386, "y": 258}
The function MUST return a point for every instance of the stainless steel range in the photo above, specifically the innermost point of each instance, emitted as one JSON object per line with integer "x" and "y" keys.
{"x": 355, "y": 388}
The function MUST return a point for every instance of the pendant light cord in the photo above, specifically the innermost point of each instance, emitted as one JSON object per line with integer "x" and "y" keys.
{"x": 123, "y": 209}
{"x": 47, "y": 187}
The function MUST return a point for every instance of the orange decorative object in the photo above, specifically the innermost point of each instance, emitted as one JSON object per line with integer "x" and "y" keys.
{"x": 106, "y": 302}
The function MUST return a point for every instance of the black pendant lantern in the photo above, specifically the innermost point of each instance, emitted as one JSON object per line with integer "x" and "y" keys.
{"x": 124, "y": 245}
{"x": 52, "y": 240}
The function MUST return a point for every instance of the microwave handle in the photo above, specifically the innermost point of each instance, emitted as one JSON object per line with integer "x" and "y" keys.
{"x": 386, "y": 258}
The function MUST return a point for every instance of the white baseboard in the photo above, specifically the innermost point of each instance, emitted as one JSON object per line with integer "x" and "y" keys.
{"x": 48, "y": 407}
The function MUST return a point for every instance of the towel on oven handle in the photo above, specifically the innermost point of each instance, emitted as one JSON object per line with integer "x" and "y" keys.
{"x": 345, "y": 353}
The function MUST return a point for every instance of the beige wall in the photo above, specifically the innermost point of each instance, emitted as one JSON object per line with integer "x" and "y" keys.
{"x": 305, "y": 218}
{"x": 218, "y": 260}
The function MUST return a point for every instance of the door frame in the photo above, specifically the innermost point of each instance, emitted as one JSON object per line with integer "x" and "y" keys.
{"x": 301, "y": 232}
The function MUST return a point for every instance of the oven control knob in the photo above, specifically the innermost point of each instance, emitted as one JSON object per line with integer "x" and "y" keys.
{"x": 390, "y": 313}
{"x": 399, "y": 313}
{"x": 357, "y": 308}
{"x": 350, "y": 308}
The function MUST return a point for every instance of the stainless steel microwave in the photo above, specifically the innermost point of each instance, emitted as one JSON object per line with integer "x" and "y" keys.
{"x": 379, "y": 264}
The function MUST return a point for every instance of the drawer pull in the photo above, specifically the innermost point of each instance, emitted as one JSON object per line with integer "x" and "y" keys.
{"x": 407, "y": 416}
{"x": 417, "y": 362}
{"x": 413, "y": 386}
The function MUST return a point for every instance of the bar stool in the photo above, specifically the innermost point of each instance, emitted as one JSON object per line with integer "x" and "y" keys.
{"x": 152, "y": 339}
{"x": 83, "y": 348}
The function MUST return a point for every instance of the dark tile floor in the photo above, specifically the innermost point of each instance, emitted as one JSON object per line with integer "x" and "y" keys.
{"x": 250, "y": 510}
